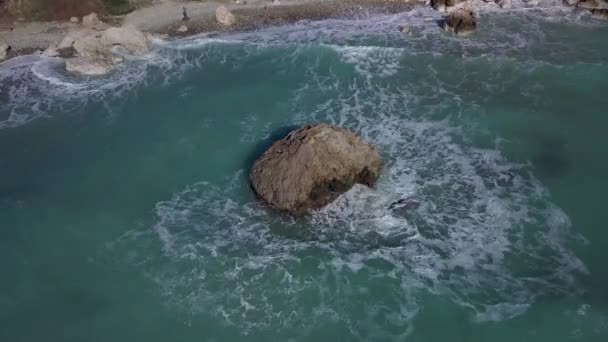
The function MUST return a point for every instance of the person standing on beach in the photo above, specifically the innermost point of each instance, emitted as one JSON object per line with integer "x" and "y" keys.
{"x": 185, "y": 14}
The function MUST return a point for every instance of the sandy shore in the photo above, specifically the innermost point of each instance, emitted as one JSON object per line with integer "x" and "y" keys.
{"x": 166, "y": 18}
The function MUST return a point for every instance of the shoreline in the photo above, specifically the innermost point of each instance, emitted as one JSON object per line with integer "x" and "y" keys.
{"x": 164, "y": 19}
{"x": 27, "y": 38}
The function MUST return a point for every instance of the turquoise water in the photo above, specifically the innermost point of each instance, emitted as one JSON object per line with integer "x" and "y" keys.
{"x": 126, "y": 212}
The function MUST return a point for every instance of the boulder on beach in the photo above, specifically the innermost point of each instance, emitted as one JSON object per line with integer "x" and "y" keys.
{"x": 92, "y": 66}
{"x": 224, "y": 17}
{"x": 444, "y": 5}
{"x": 91, "y": 20}
{"x": 182, "y": 29}
{"x": 97, "y": 47}
{"x": 461, "y": 21}
{"x": 312, "y": 166}
{"x": 74, "y": 20}
{"x": 91, "y": 46}
{"x": 3, "y": 51}
{"x": 128, "y": 37}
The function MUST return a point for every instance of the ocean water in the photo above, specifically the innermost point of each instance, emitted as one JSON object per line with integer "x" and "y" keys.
{"x": 126, "y": 212}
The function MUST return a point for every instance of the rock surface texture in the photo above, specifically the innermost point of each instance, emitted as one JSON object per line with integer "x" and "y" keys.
{"x": 91, "y": 66}
{"x": 461, "y": 21}
{"x": 224, "y": 17}
{"x": 3, "y": 51}
{"x": 312, "y": 166}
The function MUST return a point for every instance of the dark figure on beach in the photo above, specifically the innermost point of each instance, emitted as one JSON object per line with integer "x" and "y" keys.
{"x": 185, "y": 13}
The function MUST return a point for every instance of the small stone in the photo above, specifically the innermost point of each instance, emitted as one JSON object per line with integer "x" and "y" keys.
{"x": 182, "y": 29}
{"x": 405, "y": 30}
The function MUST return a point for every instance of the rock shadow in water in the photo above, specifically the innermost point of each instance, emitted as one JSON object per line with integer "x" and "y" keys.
{"x": 552, "y": 160}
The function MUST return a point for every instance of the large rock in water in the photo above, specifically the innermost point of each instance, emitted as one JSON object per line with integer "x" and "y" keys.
{"x": 461, "y": 21}
{"x": 312, "y": 166}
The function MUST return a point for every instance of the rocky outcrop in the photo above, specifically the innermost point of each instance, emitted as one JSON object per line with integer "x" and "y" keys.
{"x": 3, "y": 51}
{"x": 91, "y": 66}
{"x": 444, "y": 5}
{"x": 312, "y": 166}
{"x": 94, "y": 48}
{"x": 461, "y": 21}
{"x": 91, "y": 46}
{"x": 600, "y": 13}
{"x": 592, "y": 4}
{"x": 224, "y": 17}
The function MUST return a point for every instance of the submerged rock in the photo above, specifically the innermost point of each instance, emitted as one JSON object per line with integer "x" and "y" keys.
{"x": 312, "y": 166}
{"x": 462, "y": 22}
{"x": 92, "y": 66}
{"x": 224, "y": 17}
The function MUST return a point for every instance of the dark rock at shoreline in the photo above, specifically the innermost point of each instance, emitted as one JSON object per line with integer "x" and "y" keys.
{"x": 600, "y": 13}
{"x": 312, "y": 166}
{"x": 461, "y": 22}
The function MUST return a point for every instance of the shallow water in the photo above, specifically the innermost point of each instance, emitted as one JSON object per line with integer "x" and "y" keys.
{"x": 126, "y": 212}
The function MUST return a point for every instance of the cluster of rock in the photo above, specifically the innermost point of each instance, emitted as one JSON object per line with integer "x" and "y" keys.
{"x": 89, "y": 48}
{"x": 462, "y": 16}
{"x": 312, "y": 166}
{"x": 597, "y": 8}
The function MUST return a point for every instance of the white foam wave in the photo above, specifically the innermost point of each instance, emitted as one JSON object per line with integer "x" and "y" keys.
{"x": 225, "y": 255}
